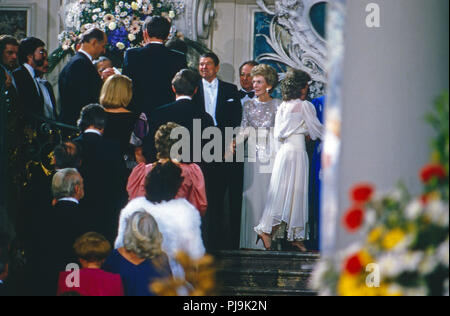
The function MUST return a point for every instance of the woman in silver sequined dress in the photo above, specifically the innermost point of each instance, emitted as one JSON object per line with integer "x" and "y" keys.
{"x": 258, "y": 120}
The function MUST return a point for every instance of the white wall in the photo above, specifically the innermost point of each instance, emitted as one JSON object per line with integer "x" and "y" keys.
{"x": 392, "y": 76}
{"x": 232, "y": 35}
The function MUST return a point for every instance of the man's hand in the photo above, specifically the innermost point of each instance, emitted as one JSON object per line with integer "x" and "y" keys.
{"x": 108, "y": 72}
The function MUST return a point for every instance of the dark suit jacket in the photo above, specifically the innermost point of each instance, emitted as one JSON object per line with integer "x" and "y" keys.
{"x": 182, "y": 112}
{"x": 228, "y": 109}
{"x": 60, "y": 227}
{"x": 28, "y": 95}
{"x": 152, "y": 69}
{"x": 104, "y": 173}
{"x": 79, "y": 85}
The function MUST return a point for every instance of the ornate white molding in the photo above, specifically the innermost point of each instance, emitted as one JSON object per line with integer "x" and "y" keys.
{"x": 197, "y": 19}
{"x": 304, "y": 49}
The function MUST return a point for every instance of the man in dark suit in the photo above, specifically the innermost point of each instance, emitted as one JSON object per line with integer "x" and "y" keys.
{"x": 221, "y": 100}
{"x": 59, "y": 226}
{"x": 103, "y": 170}
{"x": 9, "y": 53}
{"x": 79, "y": 81}
{"x": 152, "y": 67}
{"x": 32, "y": 54}
{"x": 183, "y": 112}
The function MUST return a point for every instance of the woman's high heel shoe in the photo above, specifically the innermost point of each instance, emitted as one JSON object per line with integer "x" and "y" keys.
{"x": 299, "y": 246}
{"x": 265, "y": 246}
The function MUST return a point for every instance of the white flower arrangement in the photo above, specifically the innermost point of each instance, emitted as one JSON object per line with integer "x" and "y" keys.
{"x": 121, "y": 20}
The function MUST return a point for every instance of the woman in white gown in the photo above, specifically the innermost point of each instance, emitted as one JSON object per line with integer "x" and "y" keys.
{"x": 259, "y": 119}
{"x": 286, "y": 208}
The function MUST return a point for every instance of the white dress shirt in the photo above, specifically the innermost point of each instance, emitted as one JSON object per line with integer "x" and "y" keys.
{"x": 69, "y": 199}
{"x": 87, "y": 55}
{"x": 211, "y": 90}
{"x": 94, "y": 131}
{"x": 184, "y": 97}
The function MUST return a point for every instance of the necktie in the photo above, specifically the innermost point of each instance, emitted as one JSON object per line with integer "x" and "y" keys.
{"x": 243, "y": 93}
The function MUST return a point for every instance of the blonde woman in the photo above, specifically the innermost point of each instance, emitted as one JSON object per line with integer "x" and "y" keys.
{"x": 115, "y": 97}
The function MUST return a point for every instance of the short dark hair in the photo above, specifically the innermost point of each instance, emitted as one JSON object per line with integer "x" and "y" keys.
{"x": 27, "y": 47}
{"x": 67, "y": 155}
{"x": 177, "y": 45}
{"x": 163, "y": 182}
{"x": 250, "y": 62}
{"x": 185, "y": 82}
{"x": 293, "y": 83}
{"x": 92, "y": 115}
{"x": 212, "y": 56}
{"x": 7, "y": 40}
{"x": 157, "y": 26}
{"x": 91, "y": 34}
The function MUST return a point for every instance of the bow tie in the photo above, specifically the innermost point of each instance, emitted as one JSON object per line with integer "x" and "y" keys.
{"x": 243, "y": 93}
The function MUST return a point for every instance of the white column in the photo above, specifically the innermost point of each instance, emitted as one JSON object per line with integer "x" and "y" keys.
{"x": 392, "y": 75}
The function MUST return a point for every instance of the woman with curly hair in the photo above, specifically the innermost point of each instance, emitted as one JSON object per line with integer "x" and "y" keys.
{"x": 286, "y": 210}
{"x": 193, "y": 186}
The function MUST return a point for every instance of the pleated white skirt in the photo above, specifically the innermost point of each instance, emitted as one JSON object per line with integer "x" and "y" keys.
{"x": 287, "y": 200}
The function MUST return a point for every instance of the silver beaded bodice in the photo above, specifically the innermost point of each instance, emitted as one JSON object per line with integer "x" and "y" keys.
{"x": 260, "y": 114}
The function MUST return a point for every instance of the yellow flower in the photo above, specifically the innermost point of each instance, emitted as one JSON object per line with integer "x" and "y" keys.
{"x": 393, "y": 238}
{"x": 436, "y": 157}
{"x": 134, "y": 6}
{"x": 350, "y": 285}
{"x": 434, "y": 196}
{"x": 375, "y": 235}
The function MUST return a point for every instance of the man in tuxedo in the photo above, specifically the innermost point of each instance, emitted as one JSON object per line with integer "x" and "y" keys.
{"x": 221, "y": 100}
{"x": 245, "y": 75}
{"x": 32, "y": 54}
{"x": 103, "y": 170}
{"x": 79, "y": 81}
{"x": 183, "y": 112}
{"x": 152, "y": 67}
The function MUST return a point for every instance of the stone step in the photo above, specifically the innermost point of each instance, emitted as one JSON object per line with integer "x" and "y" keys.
{"x": 259, "y": 273}
{"x": 264, "y": 278}
{"x": 250, "y": 291}
{"x": 261, "y": 260}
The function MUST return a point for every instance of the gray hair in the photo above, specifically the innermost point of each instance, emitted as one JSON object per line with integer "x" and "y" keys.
{"x": 101, "y": 59}
{"x": 64, "y": 183}
{"x": 142, "y": 235}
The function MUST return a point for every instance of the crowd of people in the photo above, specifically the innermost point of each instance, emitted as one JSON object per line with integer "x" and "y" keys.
{"x": 120, "y": 182}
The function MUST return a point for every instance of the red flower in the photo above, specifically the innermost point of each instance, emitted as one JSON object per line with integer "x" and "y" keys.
{"x": 353, "y": 265}
{"x": 353, "y": 219}
{"x": 361, "y": 193}
{"x": 424, "y": 199}
{"x": 431, "y": 171}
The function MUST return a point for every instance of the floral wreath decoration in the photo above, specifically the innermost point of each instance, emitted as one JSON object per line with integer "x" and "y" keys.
{"x": 122, "y": 22}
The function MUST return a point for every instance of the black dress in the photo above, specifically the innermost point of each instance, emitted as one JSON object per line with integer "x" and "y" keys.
{"x": 119, "y": 127}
